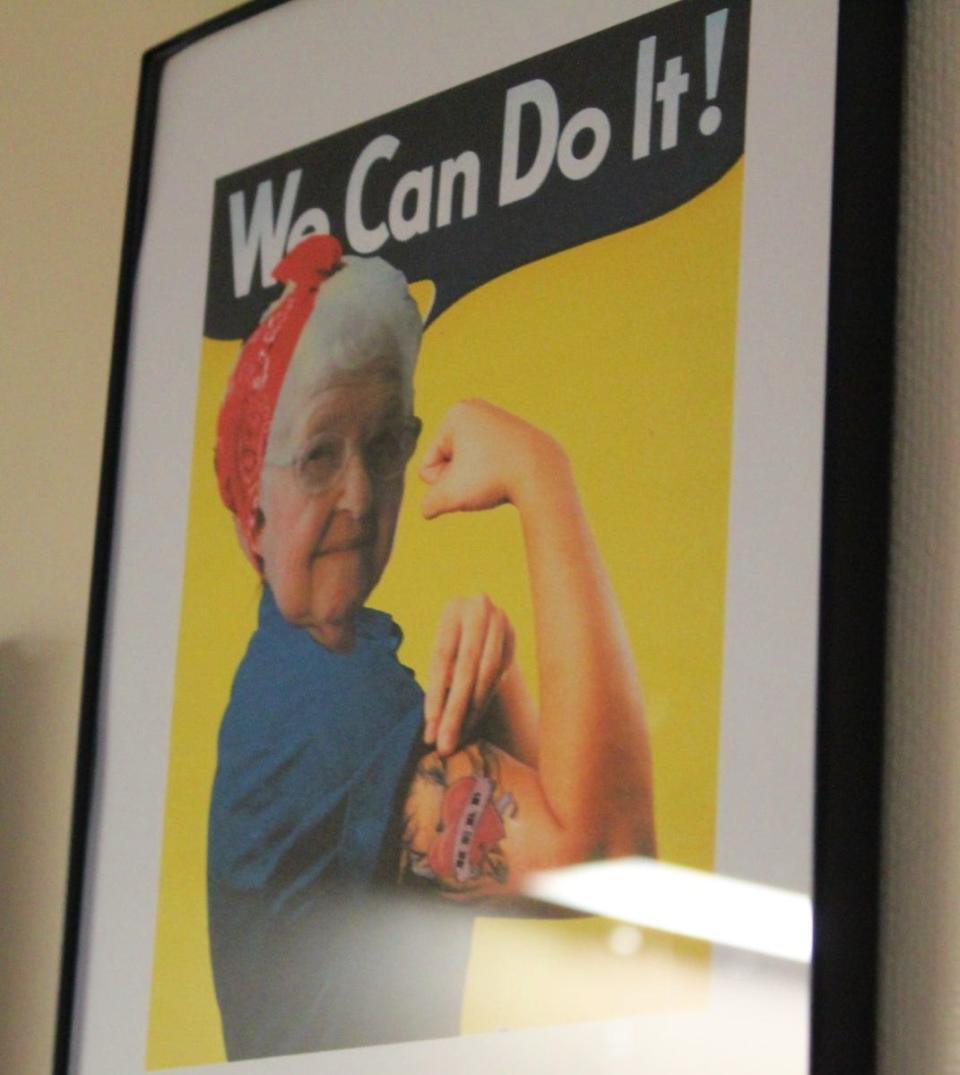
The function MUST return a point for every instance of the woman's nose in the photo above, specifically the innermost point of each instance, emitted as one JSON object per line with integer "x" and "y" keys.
{"x": 356, "y": 488}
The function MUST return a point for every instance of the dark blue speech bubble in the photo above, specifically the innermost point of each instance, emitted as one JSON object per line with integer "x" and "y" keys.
{"x": 576, "y": 143}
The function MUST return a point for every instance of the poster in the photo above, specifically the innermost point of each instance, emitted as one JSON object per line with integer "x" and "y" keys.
{"x": 574, "y": 229}
{"x": 577, "y": 267}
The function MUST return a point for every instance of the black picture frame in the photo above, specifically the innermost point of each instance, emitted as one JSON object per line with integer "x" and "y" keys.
{"x": 855, "y": 538}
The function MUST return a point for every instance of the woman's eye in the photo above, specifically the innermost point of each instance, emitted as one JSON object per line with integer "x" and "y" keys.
{"x": 321, "y": 457}
{"x": 322, "y": 450}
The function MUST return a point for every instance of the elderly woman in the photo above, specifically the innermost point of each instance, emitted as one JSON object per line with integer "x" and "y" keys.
{"x": 337, "y": 778}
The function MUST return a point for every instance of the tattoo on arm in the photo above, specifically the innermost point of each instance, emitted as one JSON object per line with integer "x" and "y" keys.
{"x": 454, "y": 822}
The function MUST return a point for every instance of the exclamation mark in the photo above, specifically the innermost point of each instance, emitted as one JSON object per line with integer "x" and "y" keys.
{"x": 715, "y": 30}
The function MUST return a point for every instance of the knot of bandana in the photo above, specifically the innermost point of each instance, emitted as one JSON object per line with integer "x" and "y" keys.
{"x": 251, "y": 398}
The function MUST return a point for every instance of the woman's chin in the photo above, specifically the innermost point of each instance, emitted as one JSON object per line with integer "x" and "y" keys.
{"x": 328, "y": 607}
{"x": 338, "y": 637}
{"x": 335, "y": 625}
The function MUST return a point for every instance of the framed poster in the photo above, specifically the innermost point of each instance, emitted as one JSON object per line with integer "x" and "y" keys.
{"x": 560, "y": 336}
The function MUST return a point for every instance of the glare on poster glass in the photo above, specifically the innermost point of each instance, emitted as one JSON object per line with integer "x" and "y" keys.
{"x": 691, "y": 903}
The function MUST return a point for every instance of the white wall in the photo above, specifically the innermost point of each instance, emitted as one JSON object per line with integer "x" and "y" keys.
{"x": 68, "y": 77}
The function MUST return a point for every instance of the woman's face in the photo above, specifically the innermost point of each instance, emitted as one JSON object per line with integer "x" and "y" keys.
{"x": 328, "y": 514}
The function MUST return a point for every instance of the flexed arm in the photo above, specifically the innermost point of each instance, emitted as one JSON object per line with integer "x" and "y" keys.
{"x": 590, "y": 791}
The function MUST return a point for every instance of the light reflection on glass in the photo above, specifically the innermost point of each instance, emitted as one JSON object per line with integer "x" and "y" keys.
{"x": 690, "y": 903}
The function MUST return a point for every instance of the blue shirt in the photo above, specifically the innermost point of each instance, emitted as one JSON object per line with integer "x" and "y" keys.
{"x": 316, "y": 750}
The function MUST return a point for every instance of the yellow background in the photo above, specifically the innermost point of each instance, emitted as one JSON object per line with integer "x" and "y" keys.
{"x": 623, "y": 348}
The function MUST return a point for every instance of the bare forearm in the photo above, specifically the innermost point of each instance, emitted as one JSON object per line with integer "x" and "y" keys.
{"x": 513, "y": 720}
{"x": 594, "y": 759}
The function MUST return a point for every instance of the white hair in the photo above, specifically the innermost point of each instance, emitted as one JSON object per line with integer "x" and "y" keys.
{"x": 364, "y": 316}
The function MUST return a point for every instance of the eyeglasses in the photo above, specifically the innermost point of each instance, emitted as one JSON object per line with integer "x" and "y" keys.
{"x": 384, "y": 456}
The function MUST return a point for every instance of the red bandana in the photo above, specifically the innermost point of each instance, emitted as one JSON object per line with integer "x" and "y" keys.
{"x": 247, "y": 410}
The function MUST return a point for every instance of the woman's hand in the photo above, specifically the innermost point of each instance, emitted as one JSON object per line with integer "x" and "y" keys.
{"x": 483, "y": 456}
{"x": 473, "y": 650}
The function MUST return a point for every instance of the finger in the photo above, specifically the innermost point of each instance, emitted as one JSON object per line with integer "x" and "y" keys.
{"x": 431, "y": 472}
{"x": 510, "y": 644}
{"x": 439, "y": 500}
{"x": 451, "y": 492}
{"x": 441, "y": 668}
{"x": 440, "y": 671}
{"x": 455, "y": 709}
{"x": 437, "y": 456}
{"x": 492, "y": 663}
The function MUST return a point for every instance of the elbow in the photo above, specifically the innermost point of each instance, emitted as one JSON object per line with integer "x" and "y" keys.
{"x": 614, "y": 826}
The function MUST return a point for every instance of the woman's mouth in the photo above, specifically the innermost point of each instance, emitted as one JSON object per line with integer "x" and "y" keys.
{"x": 351, "y": 545}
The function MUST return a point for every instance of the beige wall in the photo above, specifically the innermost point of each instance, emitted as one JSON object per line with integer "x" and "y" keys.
{"x": 68, "y": 74}
{"x": 920, "y": 1021}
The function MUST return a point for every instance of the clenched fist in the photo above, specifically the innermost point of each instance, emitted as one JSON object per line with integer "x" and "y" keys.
{"x": 483, "y": 456}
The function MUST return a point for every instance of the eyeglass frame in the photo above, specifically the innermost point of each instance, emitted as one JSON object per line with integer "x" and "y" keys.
{"x": 412, "y": 427}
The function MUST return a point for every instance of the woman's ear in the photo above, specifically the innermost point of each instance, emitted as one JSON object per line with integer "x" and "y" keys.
{"x": 251, "y": 544}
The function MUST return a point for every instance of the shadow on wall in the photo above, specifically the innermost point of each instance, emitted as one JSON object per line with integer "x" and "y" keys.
{"x": 38, "y": 725}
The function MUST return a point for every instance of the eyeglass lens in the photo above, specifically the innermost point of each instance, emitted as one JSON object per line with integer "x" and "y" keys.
{"x": 384, "y": 456}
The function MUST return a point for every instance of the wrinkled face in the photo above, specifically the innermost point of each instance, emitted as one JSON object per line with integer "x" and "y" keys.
{"x": 328, "y": 513}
